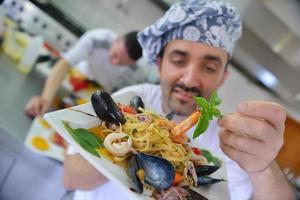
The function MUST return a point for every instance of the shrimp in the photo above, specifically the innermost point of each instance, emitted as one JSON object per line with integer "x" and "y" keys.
{"x": 178, "y": 132}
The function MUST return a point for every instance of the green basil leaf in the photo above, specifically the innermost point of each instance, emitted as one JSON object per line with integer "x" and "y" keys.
{"x": 210, "y": 158}
{"x": 88, "y": 148}
{"x": 208, "y": 110}
{"x": 67, "y": 126}
{"x": 215, "y": 99}
{"x": 209, "y": 114}
{"x": 216, "y": 161}
{"x": 88, "y": 137}
{"x": 202, "y": 102}
{"x": 85, "y": 139}
{"x": 216, "y": 112}
{"x": 202, "y": 125}
{"x": 207, "y": 155}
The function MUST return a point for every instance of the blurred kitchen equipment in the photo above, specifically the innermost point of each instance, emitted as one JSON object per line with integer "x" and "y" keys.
{"x": 35, "y": 21}
{"x": 31, "y": 54}
{"x": 14, "y": 43}
{"x": 47, "y": 58}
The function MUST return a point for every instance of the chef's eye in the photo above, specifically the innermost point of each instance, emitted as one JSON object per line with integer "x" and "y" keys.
{"x": 210, "y": 69}
{"x": 178, "y": 62}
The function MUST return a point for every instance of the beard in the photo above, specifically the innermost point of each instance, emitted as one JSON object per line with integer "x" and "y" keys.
{"x": 180, "y": 107}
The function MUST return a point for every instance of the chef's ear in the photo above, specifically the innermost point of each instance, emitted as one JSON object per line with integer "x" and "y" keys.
{"x": 225, "y": 76}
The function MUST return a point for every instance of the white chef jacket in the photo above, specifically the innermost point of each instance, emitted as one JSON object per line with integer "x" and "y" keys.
{"x": 93, "y": 49}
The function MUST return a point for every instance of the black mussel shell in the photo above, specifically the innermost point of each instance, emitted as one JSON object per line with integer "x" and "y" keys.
{"x": 132, "y": 169}
{"x": 137, "y": 102}
{"x": 204, "y": 170}
{"x": 105, "y": 108}
{"x": 159, "y": 172}
{"x": 206, "y": 180}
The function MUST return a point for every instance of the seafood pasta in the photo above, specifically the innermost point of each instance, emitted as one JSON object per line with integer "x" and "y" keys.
{"x": 150, "y": 134}
{"x": 153, "y": 150}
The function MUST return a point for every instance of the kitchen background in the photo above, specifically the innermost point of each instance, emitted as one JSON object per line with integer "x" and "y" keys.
{"x": 265, "y": 65}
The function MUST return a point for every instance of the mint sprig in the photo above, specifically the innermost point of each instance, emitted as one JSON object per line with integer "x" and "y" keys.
{"x": 208, "y": 111}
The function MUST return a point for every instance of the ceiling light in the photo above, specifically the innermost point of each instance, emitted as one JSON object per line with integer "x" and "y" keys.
{"x": 268, "y": 79}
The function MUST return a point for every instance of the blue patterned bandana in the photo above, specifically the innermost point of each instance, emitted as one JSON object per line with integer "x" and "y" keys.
{"x": 205, "y": 21}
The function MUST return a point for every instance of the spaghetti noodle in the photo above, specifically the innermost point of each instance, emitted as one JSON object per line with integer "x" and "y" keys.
{"x": 150, "y": 134}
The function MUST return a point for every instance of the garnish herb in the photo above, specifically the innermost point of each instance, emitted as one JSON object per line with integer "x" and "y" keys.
{"x": 208, "y": 111}
{"x": 211, "y": 158}
{"x": 85, "y": 139}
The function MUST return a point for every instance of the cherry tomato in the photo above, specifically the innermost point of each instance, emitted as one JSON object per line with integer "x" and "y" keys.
{"x": 196, "y": 151}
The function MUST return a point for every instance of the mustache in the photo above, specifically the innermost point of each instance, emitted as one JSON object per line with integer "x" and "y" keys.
{"x": 194, "y": 90}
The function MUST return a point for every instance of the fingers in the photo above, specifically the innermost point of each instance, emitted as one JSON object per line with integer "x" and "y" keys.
{"x": 244, "y": 159}
{"x": 253, "y": 136}
{"x": 271, "y": 112}
{"x": 239, "y": 142}
{"x": 33, "y": 107}
{"x": 36, "y": 107}
{"x": 246, "y": 144}
{"x": 252, "y": 127}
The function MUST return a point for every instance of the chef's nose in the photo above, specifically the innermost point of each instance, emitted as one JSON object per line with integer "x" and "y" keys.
{"x": 191, "y": 76}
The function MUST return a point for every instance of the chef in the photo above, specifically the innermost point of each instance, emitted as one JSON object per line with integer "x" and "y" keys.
{"x": 110, "y": 60}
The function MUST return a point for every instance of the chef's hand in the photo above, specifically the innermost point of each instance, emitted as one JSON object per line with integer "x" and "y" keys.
{"x": 253, "y": 135}
{"x": 37, "y": 106}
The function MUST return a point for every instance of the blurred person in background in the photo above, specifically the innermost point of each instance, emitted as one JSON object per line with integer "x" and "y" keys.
{"x": 110, "y": 60}
{"x": 192, "y": 44}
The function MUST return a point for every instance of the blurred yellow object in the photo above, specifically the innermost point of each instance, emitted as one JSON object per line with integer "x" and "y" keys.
{"x": 10, "y": 46}
{"x": 76, "y": 73}
{"x": 98, "y": 131}
{"x": 44, "y": 123}
{"x": 103, "y": 152}
{"x": 30, "y": 54}
{"x": 40, "y": 143}
{"x": 22, "y": 39}
{"x": 80, "y": 101}
{"x": 15, "y": 43}
{"x": 9, "y": 22}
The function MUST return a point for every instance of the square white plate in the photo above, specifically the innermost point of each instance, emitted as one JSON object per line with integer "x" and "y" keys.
{"x": 38, "y": 129}
{"x": 106, "y": 167}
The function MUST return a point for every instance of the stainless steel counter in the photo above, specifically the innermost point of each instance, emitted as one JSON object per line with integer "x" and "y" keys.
{"x": 15, "y": 90}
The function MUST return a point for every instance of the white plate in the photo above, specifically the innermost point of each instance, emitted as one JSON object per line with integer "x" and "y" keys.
{"x": 37, "y": 129}
{"x": 106, "y": 167}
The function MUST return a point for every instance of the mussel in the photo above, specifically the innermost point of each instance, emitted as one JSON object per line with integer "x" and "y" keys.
{"x": 204, "y": 170}
{"x": 137, "y": 102}
{"x": 132, "y": 172}
{"x": 105, "y": 108}
{"x": 158, "y": 172}
{"x": 199, "y": 174}
{"x": 206, "y": 180}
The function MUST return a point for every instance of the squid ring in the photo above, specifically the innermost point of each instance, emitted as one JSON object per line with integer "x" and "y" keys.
{"x": 118, "y": 144}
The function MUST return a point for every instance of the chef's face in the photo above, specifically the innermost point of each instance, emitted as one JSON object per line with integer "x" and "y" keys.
{"x": 189, "y": 69}
{"x": 118, "y": 54}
